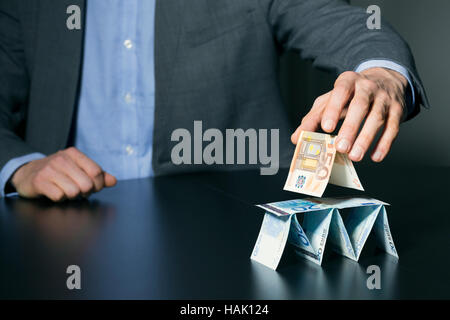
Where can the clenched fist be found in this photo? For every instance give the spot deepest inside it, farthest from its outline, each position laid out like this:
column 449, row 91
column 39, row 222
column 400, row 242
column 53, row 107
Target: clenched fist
column 369, row 101
column 64, row 175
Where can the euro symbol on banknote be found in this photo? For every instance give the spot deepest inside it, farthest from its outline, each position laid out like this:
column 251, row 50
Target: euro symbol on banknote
column 316, row 162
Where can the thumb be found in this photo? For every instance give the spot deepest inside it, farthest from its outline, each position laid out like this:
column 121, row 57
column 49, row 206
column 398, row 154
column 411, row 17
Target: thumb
column 309, row 123
column 110, row 180
column 312, row 120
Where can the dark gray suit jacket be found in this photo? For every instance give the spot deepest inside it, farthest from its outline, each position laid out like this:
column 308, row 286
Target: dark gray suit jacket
column 215, row 61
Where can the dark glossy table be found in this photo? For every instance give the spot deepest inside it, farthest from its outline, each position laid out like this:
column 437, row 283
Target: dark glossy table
column 191, row 236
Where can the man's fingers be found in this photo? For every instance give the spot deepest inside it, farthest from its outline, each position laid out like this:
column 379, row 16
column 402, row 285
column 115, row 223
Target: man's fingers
column 51, row 191
column 374, row 122
column 357, row 111
column 92, row 169
column 66, row 174
column 99, row 182
column 66, row 165
column 89, row 166
column 66, row 184
column 311, row 121
column 389, row 134
column 110, row 181
column 339, row 98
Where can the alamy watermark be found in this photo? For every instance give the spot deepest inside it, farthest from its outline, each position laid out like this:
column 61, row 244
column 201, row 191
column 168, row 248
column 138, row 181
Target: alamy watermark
column 374, row 20
column 374, row 280
column 74, row 279
column 220, row 149
column 73, row 21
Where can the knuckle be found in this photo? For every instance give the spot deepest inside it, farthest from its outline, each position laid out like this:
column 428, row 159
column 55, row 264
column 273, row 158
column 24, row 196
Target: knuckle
column 310, row 117
column 319, row 100
column 383, row 105
column 347, row 75
column 378, row 113
column 341, row 87
column 341, row 84
column 394, row 128
column 61, row 154
column 379, row 117
column 397, row 110
column 45, row 172
column 367, row 85
column 58, row 159
column 56, row 195
column 350, row 128
column 94, row 171
column 341, row 92
column 70, row 150
column 37, row 180
column 384, row 97
column 362, row 104
column 73, row 192
column 87, row 186
column 363, row 141
column 333, row 110
column 306, row 119
column 383, row 148
column 316, row 118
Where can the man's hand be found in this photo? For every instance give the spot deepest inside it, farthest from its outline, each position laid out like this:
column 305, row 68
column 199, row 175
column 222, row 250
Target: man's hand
column 376, row 95
column 64, row 175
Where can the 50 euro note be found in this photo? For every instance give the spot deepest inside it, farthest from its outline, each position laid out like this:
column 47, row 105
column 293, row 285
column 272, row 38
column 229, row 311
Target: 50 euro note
column 316, row 162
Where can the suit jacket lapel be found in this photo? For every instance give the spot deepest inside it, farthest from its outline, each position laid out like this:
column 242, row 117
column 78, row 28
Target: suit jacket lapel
column 55, row 80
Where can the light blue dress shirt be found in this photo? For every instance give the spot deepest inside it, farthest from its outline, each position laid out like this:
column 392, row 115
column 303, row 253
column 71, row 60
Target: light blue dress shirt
column 114, row 124
column 117, row 98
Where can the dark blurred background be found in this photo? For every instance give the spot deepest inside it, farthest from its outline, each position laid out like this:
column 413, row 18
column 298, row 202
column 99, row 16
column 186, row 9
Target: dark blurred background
column 425, row 25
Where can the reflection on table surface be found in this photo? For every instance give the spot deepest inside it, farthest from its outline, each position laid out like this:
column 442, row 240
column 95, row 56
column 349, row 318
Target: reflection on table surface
column 191, row 236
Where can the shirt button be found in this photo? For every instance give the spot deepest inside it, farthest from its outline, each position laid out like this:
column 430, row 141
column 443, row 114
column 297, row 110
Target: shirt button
column 129, row 150
column 128, row 98
column 128, row 44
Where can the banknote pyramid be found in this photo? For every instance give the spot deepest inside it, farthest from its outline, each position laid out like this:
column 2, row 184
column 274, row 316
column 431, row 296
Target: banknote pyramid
column 323, row 222
column 344, row 222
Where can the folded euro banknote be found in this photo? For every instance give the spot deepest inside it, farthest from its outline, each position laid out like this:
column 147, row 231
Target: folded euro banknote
column 308, row 224
column 316, row 162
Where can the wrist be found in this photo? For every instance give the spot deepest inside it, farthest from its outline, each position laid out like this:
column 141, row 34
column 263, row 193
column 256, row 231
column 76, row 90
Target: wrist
column 380, row 72
column 17, row 176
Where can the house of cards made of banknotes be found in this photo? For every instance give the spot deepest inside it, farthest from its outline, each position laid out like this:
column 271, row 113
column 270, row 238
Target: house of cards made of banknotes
column 345, row 222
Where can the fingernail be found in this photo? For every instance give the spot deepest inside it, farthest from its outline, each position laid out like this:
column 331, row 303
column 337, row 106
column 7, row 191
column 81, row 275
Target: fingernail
column 343, row 145
column 356, row 153
column 328, row 125
column 377, row 156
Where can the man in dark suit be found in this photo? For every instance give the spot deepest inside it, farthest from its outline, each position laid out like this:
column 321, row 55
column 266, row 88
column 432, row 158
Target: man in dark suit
column 84, row 103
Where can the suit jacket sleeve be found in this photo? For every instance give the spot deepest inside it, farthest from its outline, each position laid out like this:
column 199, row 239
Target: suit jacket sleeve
column 335, row 36
column 14, row 85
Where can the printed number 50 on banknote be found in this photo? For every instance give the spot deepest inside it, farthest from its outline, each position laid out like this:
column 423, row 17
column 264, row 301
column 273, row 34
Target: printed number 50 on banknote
column 316, row 162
